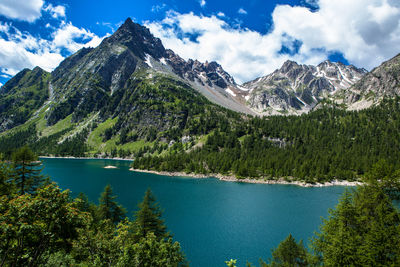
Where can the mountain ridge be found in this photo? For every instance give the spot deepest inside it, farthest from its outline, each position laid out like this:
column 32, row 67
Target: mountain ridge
column 90, row 79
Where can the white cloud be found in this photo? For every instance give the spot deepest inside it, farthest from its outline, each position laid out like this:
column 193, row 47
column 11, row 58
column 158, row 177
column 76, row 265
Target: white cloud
column 366, row 32
column 55, row 11
column 66, row 35
column 27, row 10
column 221, row 14
column 242, row 11
column 1, row 84
column 243, row 53
column 22, row 50
column 202, row 3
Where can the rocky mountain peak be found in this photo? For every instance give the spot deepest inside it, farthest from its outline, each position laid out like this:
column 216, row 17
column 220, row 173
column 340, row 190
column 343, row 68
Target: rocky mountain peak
column 288, row 66
column 296, row 88
column 138, row 39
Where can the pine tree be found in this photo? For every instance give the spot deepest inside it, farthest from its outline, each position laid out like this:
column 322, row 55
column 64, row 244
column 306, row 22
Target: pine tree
column 109, row 208
column 289, row 253
column 148, row 218
column 27, row 171
column 363, row 230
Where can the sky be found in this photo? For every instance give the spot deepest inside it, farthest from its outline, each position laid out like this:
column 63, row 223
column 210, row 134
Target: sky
column 248, row 38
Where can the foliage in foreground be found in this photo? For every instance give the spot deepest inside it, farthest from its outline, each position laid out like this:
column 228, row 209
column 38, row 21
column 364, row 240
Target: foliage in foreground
column 42, row 225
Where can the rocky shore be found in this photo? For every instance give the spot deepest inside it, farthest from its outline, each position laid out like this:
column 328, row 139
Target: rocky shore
column 230, row 178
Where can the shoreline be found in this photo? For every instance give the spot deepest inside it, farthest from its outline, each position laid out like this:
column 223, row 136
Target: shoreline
column 225, row 178
column 71, row 157
column 230, row 178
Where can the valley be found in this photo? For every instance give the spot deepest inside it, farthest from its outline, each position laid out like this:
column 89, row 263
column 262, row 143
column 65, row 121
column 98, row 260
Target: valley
column 132, row 98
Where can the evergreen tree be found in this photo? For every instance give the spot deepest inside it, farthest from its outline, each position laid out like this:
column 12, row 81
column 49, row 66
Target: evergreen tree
column 363, row 230
column 109, row 208
column 289, row 253
column 148, row 218
column 27, row 171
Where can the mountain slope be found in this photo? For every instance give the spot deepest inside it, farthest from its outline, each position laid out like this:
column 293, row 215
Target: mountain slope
column 383, row 81
column 129, row 93
column 85, row 82
column 21, row 96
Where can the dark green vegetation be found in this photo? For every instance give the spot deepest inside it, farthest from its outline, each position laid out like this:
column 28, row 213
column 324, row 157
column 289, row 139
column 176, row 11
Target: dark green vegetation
column 363, row 229
column 173, row 128
column 163, row 110
column 22, row 96
column 326, row 144
column 41, row 225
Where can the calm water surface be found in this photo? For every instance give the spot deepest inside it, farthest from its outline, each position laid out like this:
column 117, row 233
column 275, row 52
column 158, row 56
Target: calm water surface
column 213, row 220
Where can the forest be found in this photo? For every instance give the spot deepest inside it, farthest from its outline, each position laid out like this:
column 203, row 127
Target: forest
column 328, row 143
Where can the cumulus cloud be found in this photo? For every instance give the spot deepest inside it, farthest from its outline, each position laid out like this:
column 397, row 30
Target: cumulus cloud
column 366, row 32
column 245, row 54
column 202, row 3
column 22, row 50
column 21, row 9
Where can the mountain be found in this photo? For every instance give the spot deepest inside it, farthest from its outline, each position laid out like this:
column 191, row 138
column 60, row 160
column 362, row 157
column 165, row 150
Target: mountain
column 84, row 82
column 131, row 94
column 296, row 89
column 127, row 93
column 381, row 82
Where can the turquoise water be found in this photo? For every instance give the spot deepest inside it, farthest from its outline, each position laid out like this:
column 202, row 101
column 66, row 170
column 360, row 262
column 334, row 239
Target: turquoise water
column 213, row 220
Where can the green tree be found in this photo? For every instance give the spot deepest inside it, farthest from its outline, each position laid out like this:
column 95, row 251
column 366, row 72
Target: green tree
column 383, row 175
column 148, row 218
column 151, row 251
column 363, row 230
column 109, row 208
column 27, row 171
column 31, row 225
column 289, row 253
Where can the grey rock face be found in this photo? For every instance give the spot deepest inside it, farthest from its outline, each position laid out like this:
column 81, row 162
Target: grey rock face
column 383, row 81
column 295, row 89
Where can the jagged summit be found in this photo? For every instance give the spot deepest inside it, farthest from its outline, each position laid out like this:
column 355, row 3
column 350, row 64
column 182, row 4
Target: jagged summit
column 138, row 39
column 297, row 88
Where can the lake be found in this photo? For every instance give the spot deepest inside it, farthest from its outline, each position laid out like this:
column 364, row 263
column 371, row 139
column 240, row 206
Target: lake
column 213, row 220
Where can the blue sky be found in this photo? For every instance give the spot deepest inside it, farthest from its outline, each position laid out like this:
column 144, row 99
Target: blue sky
column 248, row 38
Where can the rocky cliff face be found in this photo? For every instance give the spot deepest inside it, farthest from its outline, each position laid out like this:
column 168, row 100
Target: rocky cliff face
column 211, row 80
column 383, row 81
column 295, row 89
